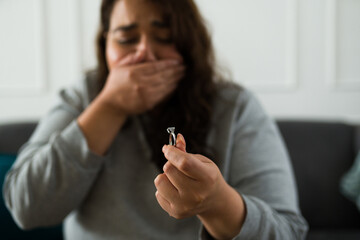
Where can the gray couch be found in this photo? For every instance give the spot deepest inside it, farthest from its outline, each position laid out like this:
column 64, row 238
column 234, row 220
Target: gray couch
column 321, row 153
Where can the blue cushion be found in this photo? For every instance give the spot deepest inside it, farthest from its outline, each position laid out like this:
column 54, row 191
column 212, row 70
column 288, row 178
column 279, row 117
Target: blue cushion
column 350, row 182
column 9, row 230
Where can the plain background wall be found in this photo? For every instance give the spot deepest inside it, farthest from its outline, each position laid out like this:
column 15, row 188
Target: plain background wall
column 300, row 57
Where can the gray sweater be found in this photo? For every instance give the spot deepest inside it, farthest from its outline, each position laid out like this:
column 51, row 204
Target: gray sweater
column 57, row 178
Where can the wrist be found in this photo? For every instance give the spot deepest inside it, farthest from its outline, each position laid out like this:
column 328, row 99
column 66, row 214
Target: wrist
column 109, row 106
column 224, row 217
column 216, row 204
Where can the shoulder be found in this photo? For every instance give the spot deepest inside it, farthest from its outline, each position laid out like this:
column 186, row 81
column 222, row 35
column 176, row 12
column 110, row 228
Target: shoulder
column 92, row 84
column 82, row 92
column 238, row 100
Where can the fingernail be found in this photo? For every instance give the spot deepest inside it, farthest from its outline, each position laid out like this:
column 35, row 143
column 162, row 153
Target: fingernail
column 180, row 137
column 155, row 180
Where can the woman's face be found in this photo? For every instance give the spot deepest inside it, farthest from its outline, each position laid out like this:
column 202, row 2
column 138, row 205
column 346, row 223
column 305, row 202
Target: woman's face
column 138, row 34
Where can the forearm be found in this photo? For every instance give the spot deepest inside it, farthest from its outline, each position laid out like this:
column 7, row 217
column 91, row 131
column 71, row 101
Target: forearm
column 226, row 215
column 263, row 222
column 48, row 181
column 100, row 124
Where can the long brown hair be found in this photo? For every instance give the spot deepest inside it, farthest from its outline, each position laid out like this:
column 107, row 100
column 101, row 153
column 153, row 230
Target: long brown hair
column 190, row 107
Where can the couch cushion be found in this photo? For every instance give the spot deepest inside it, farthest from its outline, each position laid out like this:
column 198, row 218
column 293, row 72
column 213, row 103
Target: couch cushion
column 14, row 135
column 321, row 153
column 340, row 234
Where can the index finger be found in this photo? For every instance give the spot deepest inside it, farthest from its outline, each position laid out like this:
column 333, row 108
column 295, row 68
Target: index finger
column 154, row 67
column 182, row 161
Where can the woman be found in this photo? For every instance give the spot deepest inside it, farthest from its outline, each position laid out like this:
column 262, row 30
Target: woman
column 97, row 160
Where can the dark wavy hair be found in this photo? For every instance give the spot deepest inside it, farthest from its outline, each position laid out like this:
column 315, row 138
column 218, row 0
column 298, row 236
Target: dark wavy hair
column 190, row 107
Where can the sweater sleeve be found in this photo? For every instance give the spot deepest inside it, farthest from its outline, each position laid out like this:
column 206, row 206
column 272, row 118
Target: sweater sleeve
column 55, row 169
column 256, row 164
column 260, row 170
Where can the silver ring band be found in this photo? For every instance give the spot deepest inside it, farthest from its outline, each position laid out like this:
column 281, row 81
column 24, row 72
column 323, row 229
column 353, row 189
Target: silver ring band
column 172, row 136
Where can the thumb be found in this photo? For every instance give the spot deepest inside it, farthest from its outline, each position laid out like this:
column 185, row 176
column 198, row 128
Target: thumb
column 180, row 142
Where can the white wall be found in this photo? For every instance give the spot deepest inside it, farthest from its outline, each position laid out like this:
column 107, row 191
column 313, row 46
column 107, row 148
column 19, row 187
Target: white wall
column 300, row 57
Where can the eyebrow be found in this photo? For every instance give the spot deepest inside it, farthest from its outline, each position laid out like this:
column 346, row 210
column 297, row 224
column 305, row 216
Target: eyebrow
column 132, row 26
column 126, row 28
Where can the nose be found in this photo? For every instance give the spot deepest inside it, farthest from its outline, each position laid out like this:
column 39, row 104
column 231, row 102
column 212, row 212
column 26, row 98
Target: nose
column 145, row 51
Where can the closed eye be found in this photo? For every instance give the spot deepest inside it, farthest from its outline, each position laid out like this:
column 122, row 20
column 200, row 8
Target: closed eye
column 127, row 41
column 164, row 40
